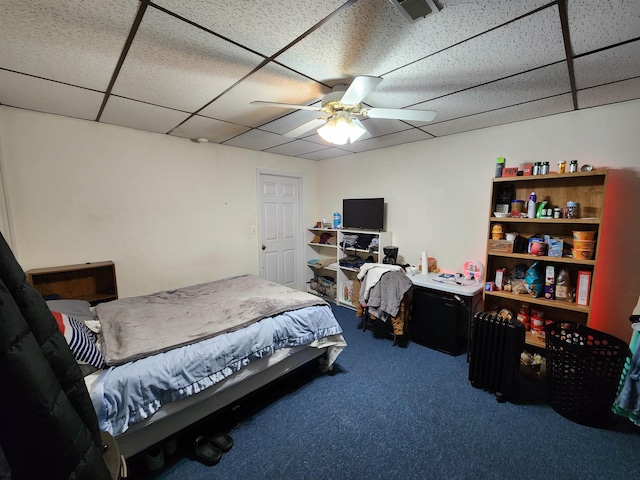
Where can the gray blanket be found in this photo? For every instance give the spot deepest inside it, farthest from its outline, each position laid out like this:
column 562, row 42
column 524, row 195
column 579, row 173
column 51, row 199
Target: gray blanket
column 137, row 327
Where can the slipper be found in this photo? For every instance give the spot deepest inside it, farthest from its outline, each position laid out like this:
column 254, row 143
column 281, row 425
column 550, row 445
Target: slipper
column 221, row 440
column 206, row 452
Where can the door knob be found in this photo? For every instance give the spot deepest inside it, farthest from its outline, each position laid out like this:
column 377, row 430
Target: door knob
column 264, row 247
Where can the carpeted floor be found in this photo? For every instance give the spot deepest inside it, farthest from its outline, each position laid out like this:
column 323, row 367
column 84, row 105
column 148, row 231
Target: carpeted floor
column 388, row 412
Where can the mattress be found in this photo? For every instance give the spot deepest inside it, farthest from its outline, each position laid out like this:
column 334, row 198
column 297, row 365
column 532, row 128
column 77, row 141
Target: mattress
column 127, row 394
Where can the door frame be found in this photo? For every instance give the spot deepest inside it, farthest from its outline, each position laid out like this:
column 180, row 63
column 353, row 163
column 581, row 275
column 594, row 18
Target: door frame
column 300, row 281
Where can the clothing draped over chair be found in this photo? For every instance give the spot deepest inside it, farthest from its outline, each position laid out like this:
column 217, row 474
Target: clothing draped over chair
column 384, row 294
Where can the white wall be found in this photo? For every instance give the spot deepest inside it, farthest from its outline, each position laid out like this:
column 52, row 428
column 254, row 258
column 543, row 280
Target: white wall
column 81, row 191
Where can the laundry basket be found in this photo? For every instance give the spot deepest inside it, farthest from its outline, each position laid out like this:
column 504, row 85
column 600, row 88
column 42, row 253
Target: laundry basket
column 584, row 370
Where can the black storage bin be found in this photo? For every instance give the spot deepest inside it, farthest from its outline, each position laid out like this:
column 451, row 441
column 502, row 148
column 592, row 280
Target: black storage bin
column 584, row 370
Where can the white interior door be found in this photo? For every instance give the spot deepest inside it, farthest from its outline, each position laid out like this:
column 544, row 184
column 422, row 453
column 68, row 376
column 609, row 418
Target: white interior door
column 279, row 207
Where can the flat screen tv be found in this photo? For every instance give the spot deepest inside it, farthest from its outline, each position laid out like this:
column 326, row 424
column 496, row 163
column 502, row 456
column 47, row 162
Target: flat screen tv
column 364, row 213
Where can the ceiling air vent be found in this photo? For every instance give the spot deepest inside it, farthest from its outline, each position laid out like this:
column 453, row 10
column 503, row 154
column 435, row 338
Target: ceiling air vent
column 414, row 10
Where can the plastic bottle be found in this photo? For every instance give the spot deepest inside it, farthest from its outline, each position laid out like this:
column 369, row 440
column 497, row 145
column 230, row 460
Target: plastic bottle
column 531, row 206
column 337, row 220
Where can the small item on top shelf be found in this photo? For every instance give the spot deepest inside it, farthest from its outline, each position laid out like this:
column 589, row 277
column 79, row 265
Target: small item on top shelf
column 573, row 166
column 540, row 209
column 545, row 168
column 531, row 206
column 562, row 166
column 572, row 209
column 499, row 166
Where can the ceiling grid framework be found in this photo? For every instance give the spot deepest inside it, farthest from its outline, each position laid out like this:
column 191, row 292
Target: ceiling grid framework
column 191, row 68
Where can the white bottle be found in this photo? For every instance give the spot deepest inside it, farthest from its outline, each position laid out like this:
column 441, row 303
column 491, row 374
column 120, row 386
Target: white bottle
column 531, row 207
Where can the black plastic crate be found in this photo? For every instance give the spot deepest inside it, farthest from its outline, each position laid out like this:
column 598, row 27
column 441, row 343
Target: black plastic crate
column 584, row 370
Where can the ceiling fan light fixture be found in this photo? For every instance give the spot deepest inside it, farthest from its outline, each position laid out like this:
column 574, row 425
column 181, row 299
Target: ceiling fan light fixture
column 341, row 129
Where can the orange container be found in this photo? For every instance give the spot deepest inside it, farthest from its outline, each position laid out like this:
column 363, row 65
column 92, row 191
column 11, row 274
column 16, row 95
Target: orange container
column 584, row 244
column 582, row 254
column 583, row 235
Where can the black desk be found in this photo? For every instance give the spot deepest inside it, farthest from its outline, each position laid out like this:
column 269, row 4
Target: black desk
column 441, row 313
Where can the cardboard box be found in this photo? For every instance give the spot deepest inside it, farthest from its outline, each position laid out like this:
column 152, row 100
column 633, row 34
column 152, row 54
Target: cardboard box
column 500, row 277
column 555, row 246
column 527, row 169
column 510, row 172
column 583, row 288
column 500, row 246
column 549, row 282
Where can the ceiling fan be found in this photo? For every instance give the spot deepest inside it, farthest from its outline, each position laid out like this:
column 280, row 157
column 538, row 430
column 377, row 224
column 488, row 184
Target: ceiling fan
column 342, row 106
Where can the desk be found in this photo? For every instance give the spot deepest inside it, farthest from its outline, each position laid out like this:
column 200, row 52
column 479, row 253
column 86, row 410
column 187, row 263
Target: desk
column 439, row 320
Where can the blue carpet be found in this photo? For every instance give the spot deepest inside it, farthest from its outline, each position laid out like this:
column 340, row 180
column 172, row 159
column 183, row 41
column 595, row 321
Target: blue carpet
column 389, row 412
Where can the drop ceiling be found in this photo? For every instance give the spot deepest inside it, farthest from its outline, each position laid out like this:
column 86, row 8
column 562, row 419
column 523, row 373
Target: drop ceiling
column 190, row 68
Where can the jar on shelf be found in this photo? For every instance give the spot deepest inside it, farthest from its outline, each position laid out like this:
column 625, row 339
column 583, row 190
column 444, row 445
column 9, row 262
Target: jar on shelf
column 573, row 166
column 544, row 169
column 572, row 210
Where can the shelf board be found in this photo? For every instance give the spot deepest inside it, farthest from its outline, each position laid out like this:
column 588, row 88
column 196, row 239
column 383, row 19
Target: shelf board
column 551, row 176
column 579, row 221
column 359, row 250
column 346, row 304
column 559, row 304
column 526, row 256
column 331, row 267
column 311, row 244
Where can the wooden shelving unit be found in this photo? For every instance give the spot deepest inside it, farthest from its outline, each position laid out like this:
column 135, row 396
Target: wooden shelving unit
column 586, row 188
column 94, row 282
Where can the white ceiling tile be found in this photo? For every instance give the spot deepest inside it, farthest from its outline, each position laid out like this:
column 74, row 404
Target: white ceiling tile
column 72, row 41
column 257, row 140
column 262, row 22
column 610, row 93
column 398, row 138
column 324, row 154
column 527, row 111
column 291, row 120
column 46, row 96
column 372, row 38
column 478, row 63
column 529, row 43
column 271, row 83
column 608, row 65
column 176, row 65
column 296, row 148
column 133, row 114
column 595, row 24
column 533, row 85
column 379, row 126
column 214, row 131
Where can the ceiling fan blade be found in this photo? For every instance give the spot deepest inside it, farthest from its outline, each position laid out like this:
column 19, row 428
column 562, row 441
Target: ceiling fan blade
column 359, row 89
column 400, row 114
column 285, row 105
column 305, row 127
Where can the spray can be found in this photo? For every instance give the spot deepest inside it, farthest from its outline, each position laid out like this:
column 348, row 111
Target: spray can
column 337, row 220
column 531, row 206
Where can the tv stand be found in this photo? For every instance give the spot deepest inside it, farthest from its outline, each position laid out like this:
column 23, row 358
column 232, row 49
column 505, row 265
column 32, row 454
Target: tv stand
column 329, row 253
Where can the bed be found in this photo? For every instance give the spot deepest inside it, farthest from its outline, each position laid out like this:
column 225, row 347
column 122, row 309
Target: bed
column 172, row 358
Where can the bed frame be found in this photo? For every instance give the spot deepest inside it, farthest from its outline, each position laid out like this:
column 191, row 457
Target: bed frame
column 174, row 417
